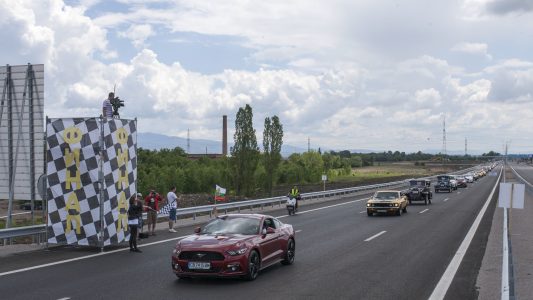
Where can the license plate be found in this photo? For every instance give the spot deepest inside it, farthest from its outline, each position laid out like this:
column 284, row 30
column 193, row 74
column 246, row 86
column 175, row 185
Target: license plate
column 199, row 265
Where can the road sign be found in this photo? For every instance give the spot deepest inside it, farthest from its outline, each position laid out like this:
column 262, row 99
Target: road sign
column 511, row 195
column 324, row 177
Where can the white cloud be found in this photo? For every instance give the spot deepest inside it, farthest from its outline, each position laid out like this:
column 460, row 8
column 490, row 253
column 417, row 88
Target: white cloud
column 473, row 48
column 138, row 34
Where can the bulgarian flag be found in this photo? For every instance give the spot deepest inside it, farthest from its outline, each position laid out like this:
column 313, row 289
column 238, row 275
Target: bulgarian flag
column 220, row 193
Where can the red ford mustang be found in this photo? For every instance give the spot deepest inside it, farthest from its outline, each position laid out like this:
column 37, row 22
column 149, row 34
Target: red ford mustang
column 237, row 245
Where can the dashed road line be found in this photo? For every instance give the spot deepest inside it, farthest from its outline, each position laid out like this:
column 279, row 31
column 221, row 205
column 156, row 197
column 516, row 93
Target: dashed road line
column 362, row 212
column 424, row 211
column 299, row 230
column 375, row 236
column 446, row 199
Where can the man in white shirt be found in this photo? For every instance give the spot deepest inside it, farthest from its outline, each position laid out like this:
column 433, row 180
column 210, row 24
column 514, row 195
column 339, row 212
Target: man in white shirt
column 172, row 199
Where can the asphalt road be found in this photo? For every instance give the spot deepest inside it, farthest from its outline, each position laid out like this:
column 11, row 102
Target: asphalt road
column 333, row 260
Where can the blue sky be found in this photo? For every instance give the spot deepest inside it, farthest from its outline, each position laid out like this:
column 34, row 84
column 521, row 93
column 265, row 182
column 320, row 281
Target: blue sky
column 347, row 74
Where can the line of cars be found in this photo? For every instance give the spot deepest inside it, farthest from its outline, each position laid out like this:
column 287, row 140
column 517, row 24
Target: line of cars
column 396, row 202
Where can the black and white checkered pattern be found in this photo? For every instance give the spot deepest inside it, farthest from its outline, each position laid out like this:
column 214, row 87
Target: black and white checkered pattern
column 113, row 232
column 165, row 210
column 88, row 193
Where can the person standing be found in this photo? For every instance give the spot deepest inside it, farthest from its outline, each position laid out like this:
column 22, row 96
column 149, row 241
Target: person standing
column 172, row 200
column 151, row 202
column 134, row 214
column 107, row 109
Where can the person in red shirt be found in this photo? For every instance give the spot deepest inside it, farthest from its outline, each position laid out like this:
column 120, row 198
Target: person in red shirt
column 152, row 205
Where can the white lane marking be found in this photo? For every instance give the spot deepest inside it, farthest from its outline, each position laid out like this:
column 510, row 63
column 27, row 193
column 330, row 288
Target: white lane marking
column 362, row 212
column 144, row 245
column 424, row 211
column 505, row 259
column 298, row 231
column 65, row 298
column 86, row 257
column 444, row 283
column 325, row 207
column 375, row 236
column 458, row 193
column 446, row 199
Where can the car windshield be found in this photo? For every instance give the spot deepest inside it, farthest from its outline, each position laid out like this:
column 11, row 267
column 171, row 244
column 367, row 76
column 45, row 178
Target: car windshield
column 232, row 225
column 386, row 195
column 417, row 183
column 443, row 178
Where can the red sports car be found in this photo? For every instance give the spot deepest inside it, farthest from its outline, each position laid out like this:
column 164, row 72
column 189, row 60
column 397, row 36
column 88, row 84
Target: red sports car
column 238, row 245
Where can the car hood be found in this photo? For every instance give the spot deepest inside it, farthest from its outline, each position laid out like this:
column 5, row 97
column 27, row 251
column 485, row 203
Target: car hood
column 213, row 241
column 384, row 201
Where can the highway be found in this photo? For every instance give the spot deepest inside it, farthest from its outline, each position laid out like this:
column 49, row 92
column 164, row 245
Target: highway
column 340, row 253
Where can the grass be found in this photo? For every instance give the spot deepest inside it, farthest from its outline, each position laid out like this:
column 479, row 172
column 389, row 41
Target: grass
column 383, row 171
column 21, row 222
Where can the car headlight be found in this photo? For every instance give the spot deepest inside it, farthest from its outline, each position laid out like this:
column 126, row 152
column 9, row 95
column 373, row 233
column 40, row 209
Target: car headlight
column 236, row 252
column 177, row 250
column 369, row 205
column 396, row 204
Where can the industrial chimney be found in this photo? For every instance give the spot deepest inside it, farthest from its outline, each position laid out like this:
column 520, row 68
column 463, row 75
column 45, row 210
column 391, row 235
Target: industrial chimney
column 224, row 135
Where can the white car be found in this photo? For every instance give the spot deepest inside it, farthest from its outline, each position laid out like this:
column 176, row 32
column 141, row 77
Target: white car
column 453, row 182
column 469, row 178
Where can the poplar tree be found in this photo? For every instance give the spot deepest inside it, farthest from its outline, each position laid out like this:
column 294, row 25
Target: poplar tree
column 272, row 142
column 245, row 152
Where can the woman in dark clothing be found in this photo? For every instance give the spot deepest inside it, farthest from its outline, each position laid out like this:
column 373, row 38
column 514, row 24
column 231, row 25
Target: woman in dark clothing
column 134, row 213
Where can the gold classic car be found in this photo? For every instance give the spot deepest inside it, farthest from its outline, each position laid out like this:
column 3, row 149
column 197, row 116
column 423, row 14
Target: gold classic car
column 387, row 202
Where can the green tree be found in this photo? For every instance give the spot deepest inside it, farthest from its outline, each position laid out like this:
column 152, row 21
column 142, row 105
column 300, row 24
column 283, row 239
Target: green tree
column 245, row 152
column 272, row 141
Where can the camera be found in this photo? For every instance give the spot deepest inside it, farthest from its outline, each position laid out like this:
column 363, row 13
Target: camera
column 116, row 103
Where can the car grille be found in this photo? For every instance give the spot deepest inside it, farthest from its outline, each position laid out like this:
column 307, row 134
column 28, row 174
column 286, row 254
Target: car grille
column 382, row 205
column 201, row 256
column 212, row 270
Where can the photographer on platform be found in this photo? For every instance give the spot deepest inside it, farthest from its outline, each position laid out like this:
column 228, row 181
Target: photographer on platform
column 107, row 109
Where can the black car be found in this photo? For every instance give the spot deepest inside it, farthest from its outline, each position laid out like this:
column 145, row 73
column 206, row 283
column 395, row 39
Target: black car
column 443, row 184
column 419, row 190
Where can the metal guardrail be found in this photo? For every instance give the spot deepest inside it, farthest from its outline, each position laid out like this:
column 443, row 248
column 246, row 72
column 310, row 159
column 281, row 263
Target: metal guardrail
column 208, row 209
column 22, row 231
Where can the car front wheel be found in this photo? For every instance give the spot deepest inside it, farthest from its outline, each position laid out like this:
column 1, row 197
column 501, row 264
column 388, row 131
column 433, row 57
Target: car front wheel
column 291, row 251
column 253, row 266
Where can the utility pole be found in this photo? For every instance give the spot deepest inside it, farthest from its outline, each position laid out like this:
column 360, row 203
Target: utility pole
column 444, row 136
column 466, row 147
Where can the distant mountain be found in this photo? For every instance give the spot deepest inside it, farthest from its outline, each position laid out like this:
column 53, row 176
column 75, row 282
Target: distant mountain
column 155, row 141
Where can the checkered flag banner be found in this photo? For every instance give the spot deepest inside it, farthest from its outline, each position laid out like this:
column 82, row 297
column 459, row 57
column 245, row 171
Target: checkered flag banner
column 120, row 177
column 73, row 160
column 72, row 185
column 165, row 210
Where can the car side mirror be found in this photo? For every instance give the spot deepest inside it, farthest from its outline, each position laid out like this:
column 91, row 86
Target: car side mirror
column 270, row 230
column 197, row 230
column 264, row 232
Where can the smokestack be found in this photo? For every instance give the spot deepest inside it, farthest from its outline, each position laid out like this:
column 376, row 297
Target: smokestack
column 225, row 135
